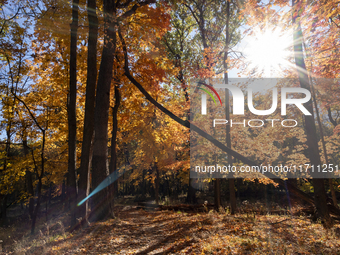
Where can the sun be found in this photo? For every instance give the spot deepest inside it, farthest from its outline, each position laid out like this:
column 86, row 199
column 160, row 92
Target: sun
column 267, row 52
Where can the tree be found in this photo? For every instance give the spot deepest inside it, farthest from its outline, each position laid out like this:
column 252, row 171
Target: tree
column 87, row 146
column 233, row 153
column 320, row 195
column 13, row 47
column 178, row 45
column 72, row 116
column 102, row 200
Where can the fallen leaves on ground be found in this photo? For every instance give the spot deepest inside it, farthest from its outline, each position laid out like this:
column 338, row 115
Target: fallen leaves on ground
column 135, row 231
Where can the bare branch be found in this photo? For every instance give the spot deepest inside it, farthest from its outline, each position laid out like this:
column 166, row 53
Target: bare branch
column 331, row 117
column 29, row 111
column 9, row 19
column 133, row 9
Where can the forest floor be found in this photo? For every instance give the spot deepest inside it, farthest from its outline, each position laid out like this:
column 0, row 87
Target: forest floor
column 137, row 231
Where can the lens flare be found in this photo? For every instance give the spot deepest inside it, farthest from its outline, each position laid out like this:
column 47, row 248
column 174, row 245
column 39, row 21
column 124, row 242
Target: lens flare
column 108, row 181
column 267, row 52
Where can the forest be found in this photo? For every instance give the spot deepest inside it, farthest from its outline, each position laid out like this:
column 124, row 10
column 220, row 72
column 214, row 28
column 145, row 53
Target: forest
column 169, row 127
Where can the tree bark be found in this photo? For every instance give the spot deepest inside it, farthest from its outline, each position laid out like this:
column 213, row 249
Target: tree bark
column 29, row 181
column 3, row 220
column 3, row 207
column 156, row 183
column 113, row 162
column 63, row 192
column 231, row 180
column 31, row 193
column 100, row 171
column 320, row 196
column 330, row 181
column 35, row 212
column 72, row 117
column 88, row 135
column 191, row 196
column 331, row 186
column 40, row 176
column 217, row 194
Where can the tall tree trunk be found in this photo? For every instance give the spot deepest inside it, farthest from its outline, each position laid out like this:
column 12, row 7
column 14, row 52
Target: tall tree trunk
column 31, row 193
column 50, row 194
column 331, row 186
column 40, row 176
column 100, row 171
column 88, row 135
column 3, row 205
column 113, row 189
column 191, row 196
column 330, row 181
column 217, row 194
column 36, row 210
column 63, row 191
column 29, row 181
column 231, row 180
column 142, row 185
column 72, row 117
column 156, row 183
column 320, row 196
